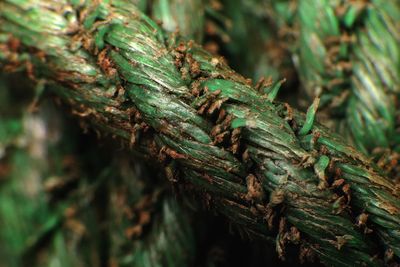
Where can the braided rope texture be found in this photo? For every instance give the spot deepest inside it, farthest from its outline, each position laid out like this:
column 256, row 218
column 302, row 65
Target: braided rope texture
column 171, row 100
column 350, row 56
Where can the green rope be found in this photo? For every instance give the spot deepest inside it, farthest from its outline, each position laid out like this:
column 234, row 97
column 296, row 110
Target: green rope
column 187, row 17
column 350, row 56
column 49, row 201
column 173, row 101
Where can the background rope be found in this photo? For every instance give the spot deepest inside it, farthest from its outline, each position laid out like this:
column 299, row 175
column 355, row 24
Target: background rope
column 173, row 101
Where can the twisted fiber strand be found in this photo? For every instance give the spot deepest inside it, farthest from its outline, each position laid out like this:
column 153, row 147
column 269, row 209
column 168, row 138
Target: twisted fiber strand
column 175, row 101
column 255, row 51
column 350, row 56
column 171, row 241
column 67, row 227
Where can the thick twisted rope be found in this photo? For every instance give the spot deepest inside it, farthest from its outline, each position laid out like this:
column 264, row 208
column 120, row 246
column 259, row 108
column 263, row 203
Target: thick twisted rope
column 172, row 100
column 350, row 56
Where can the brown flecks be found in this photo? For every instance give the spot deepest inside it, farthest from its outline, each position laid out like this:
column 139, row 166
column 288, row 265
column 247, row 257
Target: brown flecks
column 134, row 115
column 144, row 217
column 294, row 235
column 289, row 112
column 219, row 138
column 389, row 207
column 284, row 236
column 153, row 148
column 223, row 126
column 10, row 50
column 324, row 151
column 316, row 136
column 194, row 66
column 341, row 241
column 216, row 105
column 217, row 129
column 345, row 65
column 172, row 153
column 75, row 226
column 30, row 70
column 54, row 183
column 338, row 183
column 4, row 170
column 262, row 83
column 307, row 160
column 306, row 254
column 186, row 64
column 181, row 48
column 184, row 73
column 235, row 140
column 111, row 110
column 281, row 239
column 70, row 211
column 211, row 47
column 346, row 191
column 222, row 114
column 348, row 38
column 235, row 147
column 211, row 104
column 269, row 216
column 178, row 62
column 389, row 255
column 341, row 9
column 106, row 63
column 254, row 210
column 132, row 140
column 203, row 108
column 208, row 178
column 210, row 28
column 255, row 191
column 207, row 199
column 41, row 55
column 362, row 219
column 282, row 225
column 215, row 61
column 84, row 112
column 227, row 121
column 337, row 82
column 248, row 81
column 195, row 88
column 171, row 174
column 245, row 155
column 133, row 231
column 277, row 197
column 139, row 213
column 87, row 41
column 387, row 160
column 339, row 205
column 13, row 44
column 338, row 172
column 216, row 5
column 280, row 248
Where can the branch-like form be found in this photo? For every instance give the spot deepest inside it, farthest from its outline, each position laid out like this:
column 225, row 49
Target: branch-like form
column 210, row 127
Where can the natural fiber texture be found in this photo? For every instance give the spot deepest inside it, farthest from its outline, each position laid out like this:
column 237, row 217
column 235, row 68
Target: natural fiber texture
column 62, row 204
column 254, row 47
column 350, row 57
column 171, row 100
